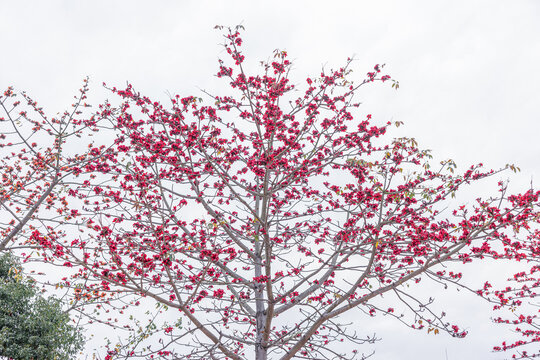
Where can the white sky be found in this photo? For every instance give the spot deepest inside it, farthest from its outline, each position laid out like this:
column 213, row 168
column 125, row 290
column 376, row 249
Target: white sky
column 468, row 71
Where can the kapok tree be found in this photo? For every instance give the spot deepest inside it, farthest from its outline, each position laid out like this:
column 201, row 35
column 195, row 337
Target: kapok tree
column 519, row 298
column 264, row 216
column 37, row 155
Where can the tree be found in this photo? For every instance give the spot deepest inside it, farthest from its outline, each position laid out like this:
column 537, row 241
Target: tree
column 261, row 219
column 518, row 298
column 32, row 327
column 38, row 155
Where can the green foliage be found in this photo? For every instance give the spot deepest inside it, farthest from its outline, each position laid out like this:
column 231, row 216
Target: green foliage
column 32, row 327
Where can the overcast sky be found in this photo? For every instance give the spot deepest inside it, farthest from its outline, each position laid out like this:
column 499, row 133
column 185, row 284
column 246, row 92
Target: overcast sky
column 468, row 73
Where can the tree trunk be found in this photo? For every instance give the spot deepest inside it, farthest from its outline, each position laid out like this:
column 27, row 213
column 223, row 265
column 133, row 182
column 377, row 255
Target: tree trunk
column 260, row 316
column 260, row 352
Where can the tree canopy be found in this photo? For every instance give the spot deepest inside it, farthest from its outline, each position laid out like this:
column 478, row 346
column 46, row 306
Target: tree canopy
column 31, row 326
